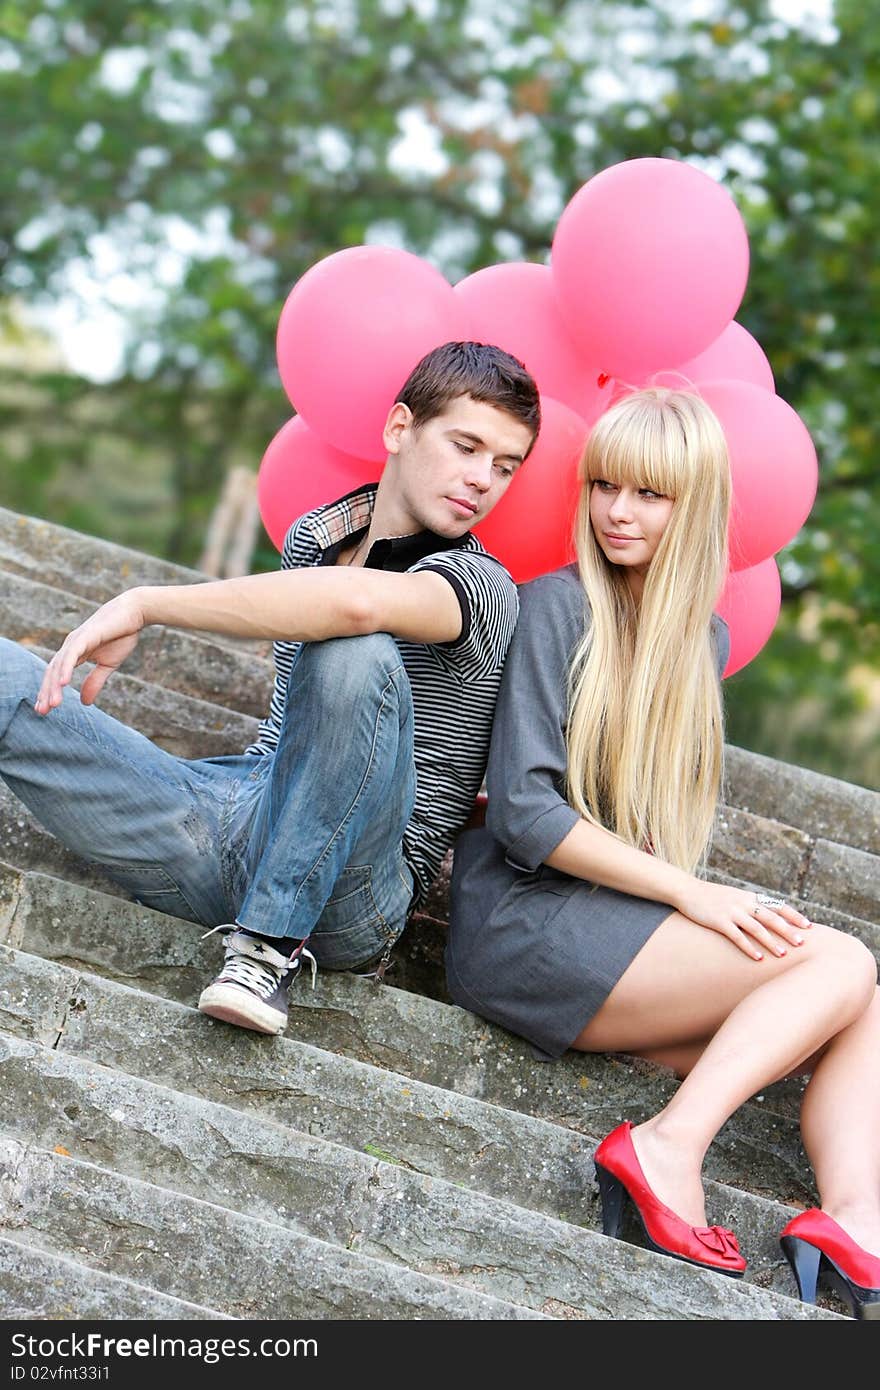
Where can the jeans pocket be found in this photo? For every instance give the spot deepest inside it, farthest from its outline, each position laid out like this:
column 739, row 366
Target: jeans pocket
column 151, row 886
column 353, row 927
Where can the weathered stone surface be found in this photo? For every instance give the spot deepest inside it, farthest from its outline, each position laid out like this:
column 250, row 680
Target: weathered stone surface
column 762, row 850
column 80, row 564
column 823, row 807
column 408, row 1033
column 94, row 569
column 316, row 1188
column 263, row 1170
column 36, row 1284
column 39, row 616
column 462, row 1131
column 848, row 878
column 207, row 1254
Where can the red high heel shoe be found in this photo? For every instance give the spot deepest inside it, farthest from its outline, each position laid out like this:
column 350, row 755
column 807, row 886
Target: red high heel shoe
column 814, row 1244
column 620, row 1175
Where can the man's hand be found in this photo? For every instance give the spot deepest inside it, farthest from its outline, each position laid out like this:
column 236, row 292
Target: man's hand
column 107, row 638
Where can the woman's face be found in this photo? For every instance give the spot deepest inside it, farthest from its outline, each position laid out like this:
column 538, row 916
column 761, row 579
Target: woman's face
column 628, row 523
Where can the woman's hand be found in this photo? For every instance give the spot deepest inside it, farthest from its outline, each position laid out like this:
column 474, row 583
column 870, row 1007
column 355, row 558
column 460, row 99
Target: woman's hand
column 737, row 913
column 107, row 638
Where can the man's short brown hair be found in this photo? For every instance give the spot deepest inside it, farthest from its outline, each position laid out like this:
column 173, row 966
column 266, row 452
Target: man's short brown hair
column 479, row 370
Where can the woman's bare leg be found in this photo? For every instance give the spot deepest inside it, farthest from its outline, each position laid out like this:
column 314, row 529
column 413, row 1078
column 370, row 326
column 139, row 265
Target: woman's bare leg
column 764, row 1019
column 840, row 1126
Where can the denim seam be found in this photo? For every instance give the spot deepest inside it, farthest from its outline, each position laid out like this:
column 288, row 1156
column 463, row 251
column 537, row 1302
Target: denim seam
column 225, row 856
column 390, row 683
column 119, row 756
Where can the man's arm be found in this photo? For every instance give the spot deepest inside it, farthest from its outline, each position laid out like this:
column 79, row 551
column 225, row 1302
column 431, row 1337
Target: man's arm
column 304, row 605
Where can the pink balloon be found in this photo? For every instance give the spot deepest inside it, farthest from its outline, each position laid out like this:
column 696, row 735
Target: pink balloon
column 734, row 355
column 773, row 465
column 351, row 331
column 514, row 306
column 749, row 604
column 300, row 471
column 529, row 530
column 649, row 260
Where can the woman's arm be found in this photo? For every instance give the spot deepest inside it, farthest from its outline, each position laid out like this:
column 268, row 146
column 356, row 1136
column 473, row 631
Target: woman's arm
column 591, row 852
column 527, row 810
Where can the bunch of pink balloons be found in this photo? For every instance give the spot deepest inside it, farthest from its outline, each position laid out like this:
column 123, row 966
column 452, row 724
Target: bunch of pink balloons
column 648, row 267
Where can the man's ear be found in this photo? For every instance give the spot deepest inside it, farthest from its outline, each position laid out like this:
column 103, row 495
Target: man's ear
column 400, row 419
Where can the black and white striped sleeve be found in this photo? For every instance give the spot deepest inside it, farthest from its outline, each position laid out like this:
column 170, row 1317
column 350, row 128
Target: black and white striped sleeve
column 489, row 606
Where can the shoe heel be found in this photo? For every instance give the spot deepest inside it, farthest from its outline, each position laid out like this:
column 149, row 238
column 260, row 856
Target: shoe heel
column 804, row 1260
column 612, row 1194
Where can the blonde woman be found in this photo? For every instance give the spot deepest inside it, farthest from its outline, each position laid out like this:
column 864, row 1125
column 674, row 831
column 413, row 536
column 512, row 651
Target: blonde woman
column 579, row 915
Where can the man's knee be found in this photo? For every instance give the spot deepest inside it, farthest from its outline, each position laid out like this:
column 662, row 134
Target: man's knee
column 347, row 667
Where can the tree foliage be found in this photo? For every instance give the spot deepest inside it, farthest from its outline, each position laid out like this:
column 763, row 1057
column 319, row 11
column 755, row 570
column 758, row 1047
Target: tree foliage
column 213, row 153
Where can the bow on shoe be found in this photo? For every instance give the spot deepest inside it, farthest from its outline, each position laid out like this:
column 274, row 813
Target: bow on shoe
column 717, row 1238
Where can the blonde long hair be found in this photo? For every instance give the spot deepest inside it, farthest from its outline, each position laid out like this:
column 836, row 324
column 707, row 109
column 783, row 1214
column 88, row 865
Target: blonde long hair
column 645, row 730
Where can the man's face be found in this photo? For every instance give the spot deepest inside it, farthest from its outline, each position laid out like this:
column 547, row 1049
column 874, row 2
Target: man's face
column 452, row 470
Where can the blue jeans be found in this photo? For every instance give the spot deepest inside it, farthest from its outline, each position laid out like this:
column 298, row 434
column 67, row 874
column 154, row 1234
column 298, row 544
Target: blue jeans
column 302, row 842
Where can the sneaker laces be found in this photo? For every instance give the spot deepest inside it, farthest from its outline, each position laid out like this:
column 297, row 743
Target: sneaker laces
column 257, row 966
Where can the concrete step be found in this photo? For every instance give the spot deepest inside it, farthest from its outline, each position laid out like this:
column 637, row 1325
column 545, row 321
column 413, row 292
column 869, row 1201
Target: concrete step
column 825, row 808
column 38, row 615
column 409, row 1033
column 206, row 1254
column 361, row 1203
column 94, row 569
column 40, row 1284
column 428, row 1130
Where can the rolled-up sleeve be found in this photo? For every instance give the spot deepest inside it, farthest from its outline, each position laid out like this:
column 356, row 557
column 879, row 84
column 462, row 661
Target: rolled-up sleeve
column 721, row 638
column 525, row 779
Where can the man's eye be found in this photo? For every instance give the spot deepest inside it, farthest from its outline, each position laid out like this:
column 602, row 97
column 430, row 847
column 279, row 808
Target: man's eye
column 505, row 470
column 464, row 448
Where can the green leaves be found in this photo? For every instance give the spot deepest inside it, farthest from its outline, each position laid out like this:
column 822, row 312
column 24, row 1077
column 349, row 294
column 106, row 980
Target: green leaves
column 279, row 132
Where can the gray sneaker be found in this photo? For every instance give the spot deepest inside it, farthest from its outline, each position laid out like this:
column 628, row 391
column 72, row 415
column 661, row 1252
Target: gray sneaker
column 251, row 989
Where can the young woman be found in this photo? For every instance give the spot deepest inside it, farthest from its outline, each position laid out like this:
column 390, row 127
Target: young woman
column 579, row 917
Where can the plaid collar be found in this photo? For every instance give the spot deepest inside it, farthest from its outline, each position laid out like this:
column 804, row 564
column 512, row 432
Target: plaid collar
column 336, row 525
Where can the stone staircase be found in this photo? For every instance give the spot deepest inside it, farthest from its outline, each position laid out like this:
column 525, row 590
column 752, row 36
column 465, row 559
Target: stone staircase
column 394, row 1156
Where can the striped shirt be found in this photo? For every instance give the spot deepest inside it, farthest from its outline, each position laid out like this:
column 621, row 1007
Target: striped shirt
column 454, row 684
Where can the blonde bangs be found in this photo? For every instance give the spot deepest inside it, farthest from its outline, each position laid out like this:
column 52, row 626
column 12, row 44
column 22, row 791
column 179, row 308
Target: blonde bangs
column 656, row 439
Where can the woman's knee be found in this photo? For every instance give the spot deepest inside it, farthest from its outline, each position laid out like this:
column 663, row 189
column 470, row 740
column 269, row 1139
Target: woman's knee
column 848, row 966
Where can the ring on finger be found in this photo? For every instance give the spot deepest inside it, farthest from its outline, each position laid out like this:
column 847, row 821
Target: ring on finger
column 767, row 900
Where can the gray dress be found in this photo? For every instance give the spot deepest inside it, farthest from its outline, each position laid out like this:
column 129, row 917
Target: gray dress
column 529, row 947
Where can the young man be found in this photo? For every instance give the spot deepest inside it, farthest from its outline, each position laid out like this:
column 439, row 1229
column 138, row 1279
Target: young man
column 391, row 624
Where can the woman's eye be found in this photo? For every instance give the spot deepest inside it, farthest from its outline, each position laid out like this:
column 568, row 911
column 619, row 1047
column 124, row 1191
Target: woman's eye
column 647, row 492
column 603, row 485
